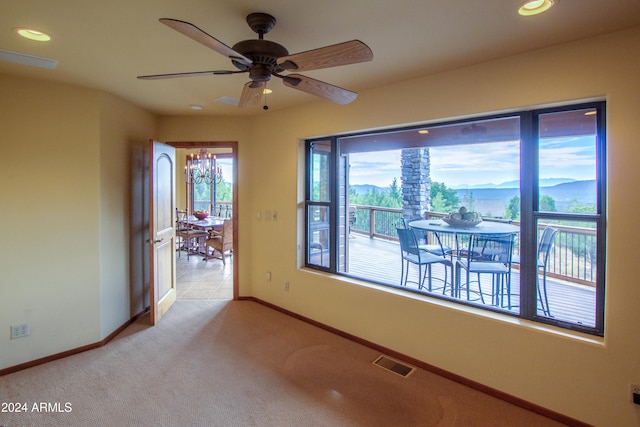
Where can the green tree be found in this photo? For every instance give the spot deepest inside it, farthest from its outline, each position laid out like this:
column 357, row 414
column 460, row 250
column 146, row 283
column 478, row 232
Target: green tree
column 512, row 211
column 353, row 194
column 443, row 199
column 578, row 207
column 375, row 197
column 224, row 192
column 547, row 203
column 395, row 192
column 439, row 204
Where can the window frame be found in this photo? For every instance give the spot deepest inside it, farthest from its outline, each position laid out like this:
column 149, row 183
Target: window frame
column 529, row 200
column 330, row 204
column 190, row 191
column 529, row 301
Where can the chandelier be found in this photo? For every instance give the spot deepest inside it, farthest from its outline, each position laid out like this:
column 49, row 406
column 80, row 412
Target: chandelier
column 202, row 168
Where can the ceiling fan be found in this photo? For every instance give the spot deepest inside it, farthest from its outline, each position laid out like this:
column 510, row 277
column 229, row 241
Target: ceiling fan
column 263, row 59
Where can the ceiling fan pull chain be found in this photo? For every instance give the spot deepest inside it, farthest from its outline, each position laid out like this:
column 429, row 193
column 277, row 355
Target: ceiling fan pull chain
column 264, row 92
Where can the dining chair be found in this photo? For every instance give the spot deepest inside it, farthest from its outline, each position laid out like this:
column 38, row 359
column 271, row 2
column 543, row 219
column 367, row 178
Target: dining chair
column 544, row 249
column 436, row 248
column 187, row 238
column 181, row 225
column 412, row 254
column 496, row 261
column 220, row 241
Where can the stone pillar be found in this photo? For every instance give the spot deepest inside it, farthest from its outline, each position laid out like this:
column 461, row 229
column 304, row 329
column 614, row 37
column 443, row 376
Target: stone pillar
column 416, row 182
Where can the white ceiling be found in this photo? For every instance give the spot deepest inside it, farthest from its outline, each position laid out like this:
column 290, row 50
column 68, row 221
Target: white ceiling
column 106, row 44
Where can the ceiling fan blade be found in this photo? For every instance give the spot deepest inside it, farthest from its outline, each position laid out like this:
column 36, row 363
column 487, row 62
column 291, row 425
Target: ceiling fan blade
column 192, row 74
column 351, row 52
column 318, row 88
column 251, row 94
column 202, row 37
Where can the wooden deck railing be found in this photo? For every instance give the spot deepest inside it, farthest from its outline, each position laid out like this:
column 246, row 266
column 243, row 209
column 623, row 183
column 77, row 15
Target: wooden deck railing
column 572, row 257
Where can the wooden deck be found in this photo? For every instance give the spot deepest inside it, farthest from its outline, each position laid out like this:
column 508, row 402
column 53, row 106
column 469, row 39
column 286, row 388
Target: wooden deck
column 380, row 261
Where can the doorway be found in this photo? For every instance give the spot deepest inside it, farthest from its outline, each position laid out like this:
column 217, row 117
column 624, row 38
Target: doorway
column 212, row 279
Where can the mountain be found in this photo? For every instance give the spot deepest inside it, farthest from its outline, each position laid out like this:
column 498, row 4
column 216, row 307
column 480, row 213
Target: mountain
column 546, row 182
column 582, row 191
column 366, row 188
column 564, row 194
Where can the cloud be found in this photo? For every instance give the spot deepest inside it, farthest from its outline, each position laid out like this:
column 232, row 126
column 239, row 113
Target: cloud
column 455, row 165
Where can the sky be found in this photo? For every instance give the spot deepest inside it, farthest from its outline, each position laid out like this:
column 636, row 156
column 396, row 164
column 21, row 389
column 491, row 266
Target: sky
column 495, row 163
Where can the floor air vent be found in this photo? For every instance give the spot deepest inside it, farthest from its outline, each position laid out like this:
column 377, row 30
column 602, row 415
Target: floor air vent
column 393, row 366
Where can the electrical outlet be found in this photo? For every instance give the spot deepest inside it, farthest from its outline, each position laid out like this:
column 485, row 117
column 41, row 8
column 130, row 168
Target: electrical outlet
column 635, row 393
column 268, row 277
column 286, row 286
column 19, row 331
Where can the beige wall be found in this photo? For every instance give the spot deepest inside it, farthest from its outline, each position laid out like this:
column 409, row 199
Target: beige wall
column 67, row 199
column 57, row 272
column 580, row 376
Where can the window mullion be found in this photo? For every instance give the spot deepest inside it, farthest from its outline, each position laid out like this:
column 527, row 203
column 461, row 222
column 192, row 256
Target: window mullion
column 334, row 202
column 528, row 203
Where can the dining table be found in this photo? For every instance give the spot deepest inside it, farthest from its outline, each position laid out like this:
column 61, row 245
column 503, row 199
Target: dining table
column 206, row 224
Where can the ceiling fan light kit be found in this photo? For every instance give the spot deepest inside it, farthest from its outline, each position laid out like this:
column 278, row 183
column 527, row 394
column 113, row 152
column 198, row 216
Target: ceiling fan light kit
column 262, row 59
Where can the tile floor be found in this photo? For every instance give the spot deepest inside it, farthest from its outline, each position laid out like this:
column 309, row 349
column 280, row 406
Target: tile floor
column 203, row 280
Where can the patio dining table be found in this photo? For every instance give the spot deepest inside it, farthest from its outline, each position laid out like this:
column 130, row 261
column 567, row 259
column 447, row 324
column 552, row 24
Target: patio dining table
column 485, row 228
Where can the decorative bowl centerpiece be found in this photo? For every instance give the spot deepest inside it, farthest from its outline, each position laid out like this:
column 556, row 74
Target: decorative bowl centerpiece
column 463, row 218
column 201, row 214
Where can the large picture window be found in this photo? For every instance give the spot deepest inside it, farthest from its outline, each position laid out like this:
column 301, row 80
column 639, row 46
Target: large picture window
column 505, row 212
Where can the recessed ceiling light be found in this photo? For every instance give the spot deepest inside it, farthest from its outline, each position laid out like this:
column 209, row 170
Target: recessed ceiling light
column 423, row 131
column 534, row 7
column 195, row 107
column 31, row 34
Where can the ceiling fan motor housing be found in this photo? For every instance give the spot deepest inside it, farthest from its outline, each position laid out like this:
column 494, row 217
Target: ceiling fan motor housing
column 263, row 53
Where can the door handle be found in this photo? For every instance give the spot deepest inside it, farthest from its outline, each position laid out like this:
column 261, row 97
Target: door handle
column 155, row 241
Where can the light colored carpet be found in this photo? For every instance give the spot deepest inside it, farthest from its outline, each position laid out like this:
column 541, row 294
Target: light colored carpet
column 238, row 363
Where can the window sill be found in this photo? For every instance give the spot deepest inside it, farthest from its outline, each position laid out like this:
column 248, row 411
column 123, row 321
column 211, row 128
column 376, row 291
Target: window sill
column 467, row 309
